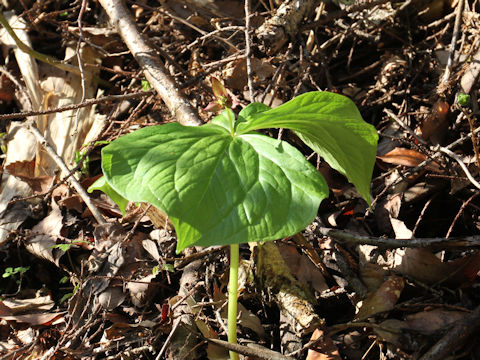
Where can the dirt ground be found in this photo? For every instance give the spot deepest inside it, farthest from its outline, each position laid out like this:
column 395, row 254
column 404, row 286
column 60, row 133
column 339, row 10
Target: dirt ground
column 396, row 280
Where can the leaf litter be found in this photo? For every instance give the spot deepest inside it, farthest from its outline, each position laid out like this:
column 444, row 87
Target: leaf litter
column 314, row 296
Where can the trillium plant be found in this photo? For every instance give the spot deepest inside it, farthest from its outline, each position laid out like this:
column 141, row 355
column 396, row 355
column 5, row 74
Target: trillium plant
column 225, row 183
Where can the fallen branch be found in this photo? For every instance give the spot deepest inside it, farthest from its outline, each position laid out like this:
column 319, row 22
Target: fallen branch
column 441, row 242
column 153, row 68
column 85, row 103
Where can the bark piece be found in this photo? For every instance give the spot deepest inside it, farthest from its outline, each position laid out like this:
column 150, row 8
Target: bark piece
column 293, row 299
column 275, row 32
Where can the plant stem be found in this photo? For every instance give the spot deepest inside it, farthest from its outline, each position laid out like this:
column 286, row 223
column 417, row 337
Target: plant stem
column 232, row 298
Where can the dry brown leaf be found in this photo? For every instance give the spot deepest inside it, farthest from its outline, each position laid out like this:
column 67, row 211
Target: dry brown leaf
column 302, row 267
column 47, row 231
column 141, row 291
column 384, row 299
column 112, row 297
column 325, row 349
column 407, row 157
column 427, row 322
column 424, row 266
column 25, row 171
column 236, row 78
column 17, row 306
column 5, row 310
column 35, row 319
column 392, row 330
column 435, row 125
column 372, row 276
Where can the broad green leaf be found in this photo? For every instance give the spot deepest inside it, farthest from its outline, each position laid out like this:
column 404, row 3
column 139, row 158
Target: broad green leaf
column 250, row 110
column 216, row 189
column 224, row 119
column 102, row 185
column 332, row 126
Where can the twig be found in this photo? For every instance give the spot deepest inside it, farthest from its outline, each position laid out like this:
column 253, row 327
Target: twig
column 248, row 50
column 76, row 106
column 155, row 71
column 441, row 242
column 404, row 126
column 61, row 164
column 462, row 165
column 79, row 59
column 456, row 31
column 169, row 338
column 460, row 211
column 474, row 138
column 212, row 33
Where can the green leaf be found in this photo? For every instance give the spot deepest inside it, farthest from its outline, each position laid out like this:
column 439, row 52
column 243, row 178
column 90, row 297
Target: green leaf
column 223, row 119
column 250, row 110
column 146, row 85
column 63, row 247
column 332, row 126
column 102, row 185
column 216, row 189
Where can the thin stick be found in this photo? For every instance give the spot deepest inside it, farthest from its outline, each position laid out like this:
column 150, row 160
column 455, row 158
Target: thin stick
column 248, row 50
column 456, row 31
column 76, row 106
column 79, row 59
column 440, row 242
column 404, row 126
column 462, row 165
column 232, row 298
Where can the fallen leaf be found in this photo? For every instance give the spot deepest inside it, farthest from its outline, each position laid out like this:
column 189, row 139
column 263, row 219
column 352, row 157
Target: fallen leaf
column 47, row 231
column 393, row 331
column 17, row 306
column 141, row 291
column 35, row 319
column 424, row 266
column 302, row 267
column 384, row 299
column 427, row 322
column 435, row 125
column 111, row 298
column 325, row 349
column 25, row 171
column 408, row 157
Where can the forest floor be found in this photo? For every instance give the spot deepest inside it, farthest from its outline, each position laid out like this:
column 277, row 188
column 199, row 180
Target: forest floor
column 396, row 280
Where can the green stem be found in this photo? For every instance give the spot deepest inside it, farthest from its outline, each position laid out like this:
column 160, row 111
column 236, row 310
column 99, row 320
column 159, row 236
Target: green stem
column 232, row 298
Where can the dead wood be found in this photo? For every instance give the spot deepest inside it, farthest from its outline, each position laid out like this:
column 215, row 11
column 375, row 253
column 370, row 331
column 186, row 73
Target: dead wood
column 150, row 63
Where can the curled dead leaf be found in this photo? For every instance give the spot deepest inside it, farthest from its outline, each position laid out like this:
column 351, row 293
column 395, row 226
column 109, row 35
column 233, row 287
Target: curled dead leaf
column 384, row 299
column 408, row 157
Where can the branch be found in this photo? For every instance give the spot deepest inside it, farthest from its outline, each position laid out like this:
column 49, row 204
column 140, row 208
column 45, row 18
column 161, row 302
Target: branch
column 345, row 236
column 153, row 68
column 86, row 103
